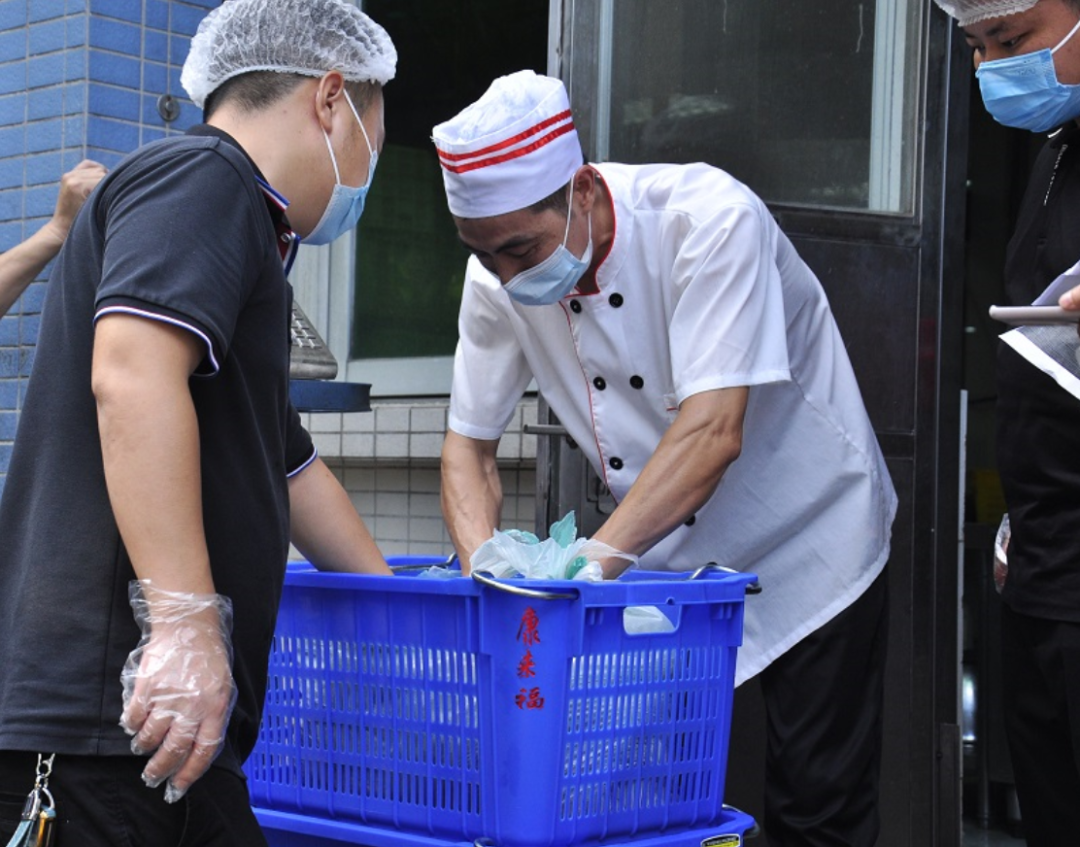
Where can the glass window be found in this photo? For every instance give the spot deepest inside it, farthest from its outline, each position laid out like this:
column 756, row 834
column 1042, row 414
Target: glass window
column 807, row 103
column 410, row 266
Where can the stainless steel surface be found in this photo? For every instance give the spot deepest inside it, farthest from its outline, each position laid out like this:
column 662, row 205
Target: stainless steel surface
column 550, row 430
column 487, row 579
column 309, row 357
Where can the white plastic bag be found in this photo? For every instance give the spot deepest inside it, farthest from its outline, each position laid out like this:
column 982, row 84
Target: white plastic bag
column 1001, row 554
column 561, row 556
column 640, row 619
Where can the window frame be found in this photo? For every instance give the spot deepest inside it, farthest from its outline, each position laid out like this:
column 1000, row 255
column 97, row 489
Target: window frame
column 325, row 285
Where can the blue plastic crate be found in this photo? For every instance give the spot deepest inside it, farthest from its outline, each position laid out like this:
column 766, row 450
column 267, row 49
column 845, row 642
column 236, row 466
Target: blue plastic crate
column 284, row 829
column 451, row 709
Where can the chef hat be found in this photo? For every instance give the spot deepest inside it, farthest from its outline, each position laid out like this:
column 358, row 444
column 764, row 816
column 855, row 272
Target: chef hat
column 308, row 37
column 513, row 147
column 972, row 11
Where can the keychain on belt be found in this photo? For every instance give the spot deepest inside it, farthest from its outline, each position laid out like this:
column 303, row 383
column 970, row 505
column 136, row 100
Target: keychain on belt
column 37, row 826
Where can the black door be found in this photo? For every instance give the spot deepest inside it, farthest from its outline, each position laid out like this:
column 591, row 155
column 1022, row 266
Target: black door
column 838, row 114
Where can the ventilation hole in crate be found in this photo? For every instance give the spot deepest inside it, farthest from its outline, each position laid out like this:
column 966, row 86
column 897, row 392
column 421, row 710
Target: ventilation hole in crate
column 635, row 712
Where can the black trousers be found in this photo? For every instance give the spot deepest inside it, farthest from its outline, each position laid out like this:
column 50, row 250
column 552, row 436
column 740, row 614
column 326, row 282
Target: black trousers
column 823, row 703
column 101, row 801
column 1041, row 674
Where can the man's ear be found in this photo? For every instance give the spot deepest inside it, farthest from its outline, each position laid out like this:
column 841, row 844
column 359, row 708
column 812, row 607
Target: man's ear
column 585, row 187
column 329, row 95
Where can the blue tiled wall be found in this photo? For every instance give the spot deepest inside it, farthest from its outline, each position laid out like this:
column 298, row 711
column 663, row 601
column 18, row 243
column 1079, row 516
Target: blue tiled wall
column 78, row 79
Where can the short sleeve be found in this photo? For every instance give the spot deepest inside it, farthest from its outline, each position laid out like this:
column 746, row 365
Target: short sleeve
column 180, row 232
column 490, row 369
column 299, row 449
column 728, row 328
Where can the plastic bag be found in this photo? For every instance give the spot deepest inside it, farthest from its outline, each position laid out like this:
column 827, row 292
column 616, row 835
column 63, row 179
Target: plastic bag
column 439, row 572
column 1001, row 551
column 561, row 556
column 639, row 619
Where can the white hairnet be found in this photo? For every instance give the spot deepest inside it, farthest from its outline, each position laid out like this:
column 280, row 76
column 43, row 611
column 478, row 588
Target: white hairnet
column 308, row 37
column 972, row 11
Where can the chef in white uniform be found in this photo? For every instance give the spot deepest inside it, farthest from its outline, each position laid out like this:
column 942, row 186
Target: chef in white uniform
column 692, row 355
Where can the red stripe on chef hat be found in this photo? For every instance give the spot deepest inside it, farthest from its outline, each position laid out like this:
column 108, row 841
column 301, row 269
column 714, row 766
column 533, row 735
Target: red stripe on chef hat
column 513, row 147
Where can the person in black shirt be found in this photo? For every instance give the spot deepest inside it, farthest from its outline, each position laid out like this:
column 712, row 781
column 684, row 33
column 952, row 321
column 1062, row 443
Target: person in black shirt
column 158, row 453
column 1027, row 59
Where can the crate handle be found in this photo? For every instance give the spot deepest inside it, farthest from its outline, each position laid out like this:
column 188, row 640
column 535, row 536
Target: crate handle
column 446, row 563
column 485, row 578
column 751, row 588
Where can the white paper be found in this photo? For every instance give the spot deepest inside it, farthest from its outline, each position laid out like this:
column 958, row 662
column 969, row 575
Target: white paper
column 1066, row 282
column 1054, row 350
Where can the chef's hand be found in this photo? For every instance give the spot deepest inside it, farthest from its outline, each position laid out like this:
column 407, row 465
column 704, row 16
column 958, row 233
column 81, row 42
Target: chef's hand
column 75, row 187
column 178, row 684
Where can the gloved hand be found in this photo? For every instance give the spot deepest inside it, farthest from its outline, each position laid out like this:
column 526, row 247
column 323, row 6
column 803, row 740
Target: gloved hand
column 178, row 684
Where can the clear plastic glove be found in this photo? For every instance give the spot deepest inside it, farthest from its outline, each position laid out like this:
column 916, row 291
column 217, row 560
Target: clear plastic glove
column 439, row 572
column 561, row 556
column 1001, row 553
column 178, row 684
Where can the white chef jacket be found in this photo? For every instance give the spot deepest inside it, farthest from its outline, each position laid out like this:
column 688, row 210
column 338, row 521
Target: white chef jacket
column 701, row 290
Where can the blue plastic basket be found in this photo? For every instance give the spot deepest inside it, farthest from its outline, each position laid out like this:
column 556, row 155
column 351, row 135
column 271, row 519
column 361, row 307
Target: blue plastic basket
column 284, row 829
column 456, row 710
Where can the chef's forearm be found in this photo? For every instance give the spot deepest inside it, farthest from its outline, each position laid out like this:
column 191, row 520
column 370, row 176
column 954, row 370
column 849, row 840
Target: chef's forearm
column 471, row 493
column 681, row 475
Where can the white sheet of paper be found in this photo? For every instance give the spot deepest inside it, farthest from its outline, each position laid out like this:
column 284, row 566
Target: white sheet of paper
column 1068, row 280
column 1054, row 350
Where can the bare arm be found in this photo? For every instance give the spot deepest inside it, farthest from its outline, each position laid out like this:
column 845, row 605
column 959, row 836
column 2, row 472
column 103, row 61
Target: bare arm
column 471, row 493
column 150, row 448
column 326, row 528
column 21, row 265
column 681, row 475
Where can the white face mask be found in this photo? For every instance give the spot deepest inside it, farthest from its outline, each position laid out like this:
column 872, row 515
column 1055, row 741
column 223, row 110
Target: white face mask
column 346, row 202
column 556, row 276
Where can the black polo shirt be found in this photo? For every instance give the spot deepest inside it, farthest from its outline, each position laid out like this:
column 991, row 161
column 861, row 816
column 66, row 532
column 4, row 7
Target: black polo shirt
column 1038, row 421
column 180, row 231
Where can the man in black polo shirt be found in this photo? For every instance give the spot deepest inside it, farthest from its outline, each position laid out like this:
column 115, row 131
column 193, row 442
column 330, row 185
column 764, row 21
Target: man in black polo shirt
column 158, row 448
column 1027, row 56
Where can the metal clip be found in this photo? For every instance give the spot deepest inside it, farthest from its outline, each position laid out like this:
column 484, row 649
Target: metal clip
column 38, row 827
column 44, row 832
column 33, row 805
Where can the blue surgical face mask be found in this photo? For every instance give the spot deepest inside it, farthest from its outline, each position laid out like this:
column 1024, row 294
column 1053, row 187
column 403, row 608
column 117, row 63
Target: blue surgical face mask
column 346, row 203
column 556, row 276
column 1024, row 91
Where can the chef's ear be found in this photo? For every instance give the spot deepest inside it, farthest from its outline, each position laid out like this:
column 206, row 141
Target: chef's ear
column 584, row 191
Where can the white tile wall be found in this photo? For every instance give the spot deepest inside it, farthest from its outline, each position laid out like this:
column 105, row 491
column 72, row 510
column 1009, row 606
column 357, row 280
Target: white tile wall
column 388, row 461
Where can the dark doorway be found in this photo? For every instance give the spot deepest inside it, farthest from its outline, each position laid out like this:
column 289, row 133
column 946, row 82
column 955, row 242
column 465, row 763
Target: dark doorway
column 999, row 162
column 410, row 267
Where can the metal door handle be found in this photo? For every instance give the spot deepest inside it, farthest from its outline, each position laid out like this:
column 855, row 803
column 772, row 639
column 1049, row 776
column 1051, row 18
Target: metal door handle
column 545, row 429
